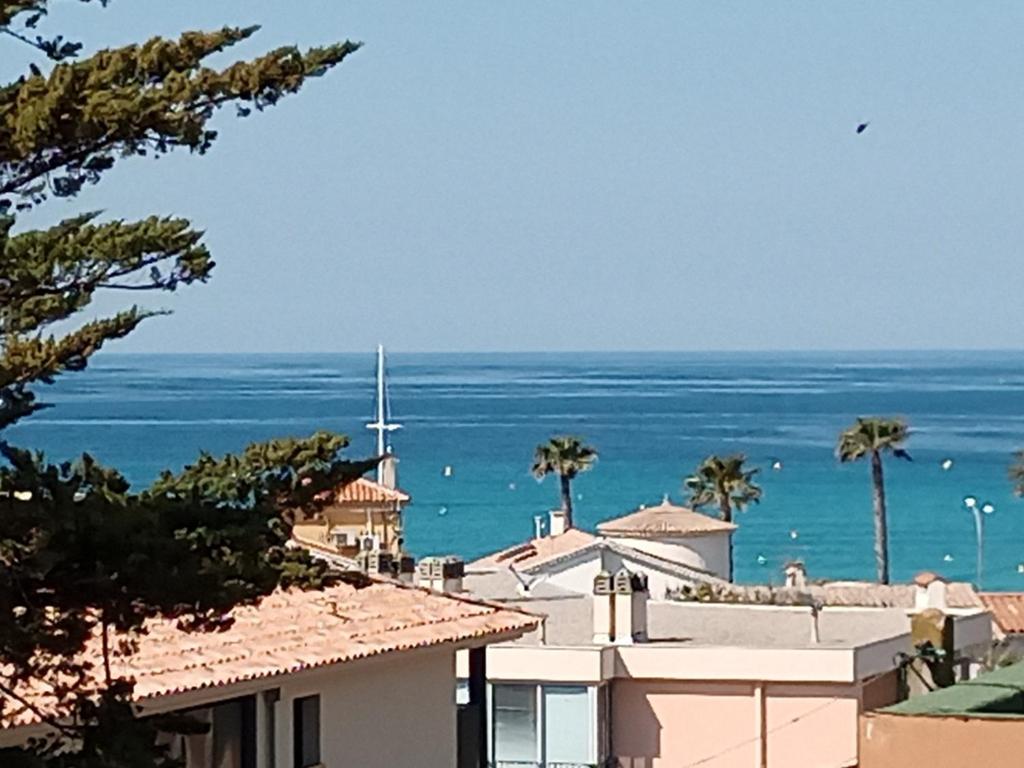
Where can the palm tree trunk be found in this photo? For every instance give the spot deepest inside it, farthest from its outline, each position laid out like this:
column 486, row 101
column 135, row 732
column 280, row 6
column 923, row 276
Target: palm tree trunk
column 566, row 499
column 725, row 509
column 881, row 524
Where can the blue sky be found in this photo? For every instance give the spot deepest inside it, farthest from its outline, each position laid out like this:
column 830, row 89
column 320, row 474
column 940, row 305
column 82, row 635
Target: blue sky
column 553, row 176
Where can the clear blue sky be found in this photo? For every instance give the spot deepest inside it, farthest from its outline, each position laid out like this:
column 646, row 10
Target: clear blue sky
column 537, row 175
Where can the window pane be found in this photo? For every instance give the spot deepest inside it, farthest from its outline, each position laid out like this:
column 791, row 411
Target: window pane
column 515, row 722
column 227, row 735
column 568, row 724
column 307, row 731
column 462, row 691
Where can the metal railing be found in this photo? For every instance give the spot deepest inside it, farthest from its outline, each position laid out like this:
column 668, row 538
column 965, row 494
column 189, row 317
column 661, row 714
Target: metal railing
column 546, row 764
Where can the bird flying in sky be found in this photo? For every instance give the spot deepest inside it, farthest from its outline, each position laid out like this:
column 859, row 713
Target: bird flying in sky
column 862, row 127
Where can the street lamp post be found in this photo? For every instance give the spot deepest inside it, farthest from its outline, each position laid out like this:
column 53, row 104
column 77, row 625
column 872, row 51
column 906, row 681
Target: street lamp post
column 979, row 510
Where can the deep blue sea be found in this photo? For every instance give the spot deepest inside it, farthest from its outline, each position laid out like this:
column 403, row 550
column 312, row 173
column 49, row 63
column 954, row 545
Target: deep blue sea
column 652, row 416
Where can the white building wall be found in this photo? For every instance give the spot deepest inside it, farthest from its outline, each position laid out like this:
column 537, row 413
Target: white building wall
column 577, row 576
column 398, row 710
column 709, row 552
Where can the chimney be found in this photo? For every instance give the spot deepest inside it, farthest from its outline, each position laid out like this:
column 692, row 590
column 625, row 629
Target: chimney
column 816, row 607
column 796, row 574
column 604, row 608
column 389, row 471
column 930, row 592
column 405, row 568
column 557, row 522
column 376, row 562
column 630, row 607
column 442, row 574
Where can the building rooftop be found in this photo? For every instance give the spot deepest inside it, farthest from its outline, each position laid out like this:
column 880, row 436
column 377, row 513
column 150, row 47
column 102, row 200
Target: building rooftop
column 1007, row 609
column 364, row 490
column 666, row 519
column 286, row 632
column 534, row 552
column 993, row 694
column 569, row 622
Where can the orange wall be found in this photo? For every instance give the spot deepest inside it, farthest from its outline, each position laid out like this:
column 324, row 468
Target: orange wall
column 667, row 724
column 905, row 741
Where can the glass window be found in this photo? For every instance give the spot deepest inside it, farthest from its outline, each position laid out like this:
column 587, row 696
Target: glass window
column 568, row 724
column 515, row 723
column 462, row 691
column 306, row 725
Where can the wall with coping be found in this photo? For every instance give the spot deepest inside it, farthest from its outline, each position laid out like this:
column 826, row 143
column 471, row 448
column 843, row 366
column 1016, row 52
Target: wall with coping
column 907, row 741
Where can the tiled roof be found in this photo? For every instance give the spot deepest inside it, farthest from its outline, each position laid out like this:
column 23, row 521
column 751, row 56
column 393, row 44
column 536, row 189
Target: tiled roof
column 287, row 632
column 537, row 551
column 1007, row 609
column 666, row 519
column 365, row 490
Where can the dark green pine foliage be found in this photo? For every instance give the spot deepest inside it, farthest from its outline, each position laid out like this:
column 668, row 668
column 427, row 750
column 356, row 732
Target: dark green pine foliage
column 81, row 551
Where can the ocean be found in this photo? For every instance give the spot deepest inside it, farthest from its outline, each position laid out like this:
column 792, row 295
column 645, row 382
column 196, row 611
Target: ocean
column 652, row 416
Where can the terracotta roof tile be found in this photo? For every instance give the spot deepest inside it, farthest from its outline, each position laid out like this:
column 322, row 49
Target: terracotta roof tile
column 286, row 632
column 365, row 490
column 1007, row 609
column 537, row 551
column 859, row 594
column 666, row 519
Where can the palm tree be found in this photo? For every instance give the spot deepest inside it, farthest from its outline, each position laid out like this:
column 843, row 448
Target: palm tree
column 1016, row 473
column 872, row 437
column 565, row 456
column 727, row 484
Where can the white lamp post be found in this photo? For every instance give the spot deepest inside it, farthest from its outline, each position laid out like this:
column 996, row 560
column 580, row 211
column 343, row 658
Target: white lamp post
column 979, row 510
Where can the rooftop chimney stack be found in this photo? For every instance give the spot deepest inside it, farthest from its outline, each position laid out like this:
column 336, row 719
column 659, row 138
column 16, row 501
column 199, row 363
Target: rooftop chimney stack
column 630, row 607
column 558, row 522
column 604, row 608
column 442, row 574
column 930, row 592
column 796, row 574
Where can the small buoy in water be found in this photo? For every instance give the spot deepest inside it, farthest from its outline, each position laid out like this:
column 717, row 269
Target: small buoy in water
column 947, row 464
column 948, row 558
column 511, row 486
column 442, row 511
column 777, row 465
column 447, row 471
column 761, row 559
column 579, row 497
column 794, row 534
column 1020, row 567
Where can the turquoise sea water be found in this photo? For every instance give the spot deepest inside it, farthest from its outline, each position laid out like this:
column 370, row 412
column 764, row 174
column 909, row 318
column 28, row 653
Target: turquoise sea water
column 653, row 417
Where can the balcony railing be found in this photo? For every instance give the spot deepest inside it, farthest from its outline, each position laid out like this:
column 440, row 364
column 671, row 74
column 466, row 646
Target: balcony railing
column 548, row 764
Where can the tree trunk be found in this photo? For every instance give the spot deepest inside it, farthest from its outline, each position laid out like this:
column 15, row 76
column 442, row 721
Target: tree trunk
column 881, row 524
column 566, row 499
column 725, row 510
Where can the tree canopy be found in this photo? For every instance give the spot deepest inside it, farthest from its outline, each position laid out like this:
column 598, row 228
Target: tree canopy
column 81, row 550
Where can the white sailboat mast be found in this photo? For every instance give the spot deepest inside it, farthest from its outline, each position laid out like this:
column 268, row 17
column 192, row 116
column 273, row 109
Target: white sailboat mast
column 381, row 425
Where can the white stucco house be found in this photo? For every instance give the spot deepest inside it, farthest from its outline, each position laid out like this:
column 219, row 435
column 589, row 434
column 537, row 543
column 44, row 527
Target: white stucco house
column 673, row 545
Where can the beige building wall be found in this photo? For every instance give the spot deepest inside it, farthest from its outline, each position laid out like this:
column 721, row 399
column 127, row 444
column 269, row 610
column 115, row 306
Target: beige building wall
column 906, row 741
column 395, row 710
column 666, row 724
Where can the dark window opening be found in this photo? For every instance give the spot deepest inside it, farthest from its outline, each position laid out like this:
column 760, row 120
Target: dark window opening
column 306, row 724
